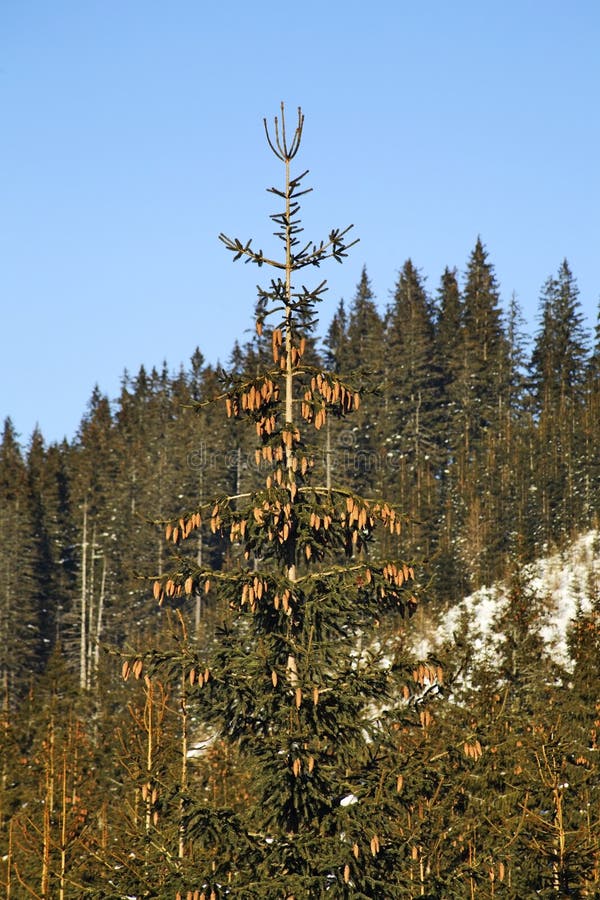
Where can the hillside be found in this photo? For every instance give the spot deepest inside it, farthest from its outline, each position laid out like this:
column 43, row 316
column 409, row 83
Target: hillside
column 566, row 583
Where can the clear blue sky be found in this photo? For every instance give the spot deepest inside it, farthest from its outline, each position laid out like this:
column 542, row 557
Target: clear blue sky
column 132, row 135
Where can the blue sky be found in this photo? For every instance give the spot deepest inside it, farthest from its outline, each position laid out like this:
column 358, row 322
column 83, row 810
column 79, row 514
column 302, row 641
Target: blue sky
column 132, row 135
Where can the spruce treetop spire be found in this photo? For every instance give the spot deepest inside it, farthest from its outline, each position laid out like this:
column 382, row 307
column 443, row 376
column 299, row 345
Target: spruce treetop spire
column 280, row 147
column 298, row 305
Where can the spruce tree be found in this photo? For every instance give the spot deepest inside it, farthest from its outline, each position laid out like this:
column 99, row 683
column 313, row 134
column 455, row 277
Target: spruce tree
column 486, row 378
column 294, row 680
column 450, row 356
column 92, row 475
column 485, row 344
column 449, row 349
column 560, row 349
column 590, row 429
column 358, row 447
column 336, row 340
column 21, row 605
column 515, row 506
column 365, row 328
column 558, row 368
column 412, row 392
column 55, row 565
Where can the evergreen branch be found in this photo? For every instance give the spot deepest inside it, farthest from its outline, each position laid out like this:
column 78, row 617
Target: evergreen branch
column 320, row 253
column 24, row 884
column 241, row 250
column 519, row 827
column 333, row 248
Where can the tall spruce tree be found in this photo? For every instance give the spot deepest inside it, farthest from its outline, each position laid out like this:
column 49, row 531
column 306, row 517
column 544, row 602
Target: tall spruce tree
column 486, row 378
column 49, row 506
column 590, row 428
column 515, row 441
column 560, row 349
column 558, row 368
column 92, row 475
column 358, row 448
column 412, row 388
column 449, row 337
column 449, row 351
column 485, row 344
column 365, row 329
column 336, row 340
column 21, row 589
column 294, row 680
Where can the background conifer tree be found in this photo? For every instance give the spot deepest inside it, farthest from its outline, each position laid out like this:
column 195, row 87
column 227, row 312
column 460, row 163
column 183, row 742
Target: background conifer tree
column 486, row 379
column 449, row 351
column 364, row 355
column 590, row 422
column 486, row 347
column 21, row 593
column 412, row 386
column 558, row 365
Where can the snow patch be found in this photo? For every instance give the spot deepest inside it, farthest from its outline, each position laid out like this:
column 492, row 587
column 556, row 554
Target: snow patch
column 566, row 583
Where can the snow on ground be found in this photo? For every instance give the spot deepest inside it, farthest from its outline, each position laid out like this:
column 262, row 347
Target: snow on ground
column 569, row 579
column 565, row 581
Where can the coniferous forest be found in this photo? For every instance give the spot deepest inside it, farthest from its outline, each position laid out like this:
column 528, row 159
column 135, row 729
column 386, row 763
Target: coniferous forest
column 210, row 682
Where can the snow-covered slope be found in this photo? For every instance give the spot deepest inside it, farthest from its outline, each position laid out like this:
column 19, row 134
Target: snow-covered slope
column 565, row 581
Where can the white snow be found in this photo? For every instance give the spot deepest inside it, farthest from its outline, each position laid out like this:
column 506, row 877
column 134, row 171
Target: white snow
column 564, row 581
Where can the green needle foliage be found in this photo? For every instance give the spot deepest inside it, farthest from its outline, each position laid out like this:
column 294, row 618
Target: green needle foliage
column 295, row 679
